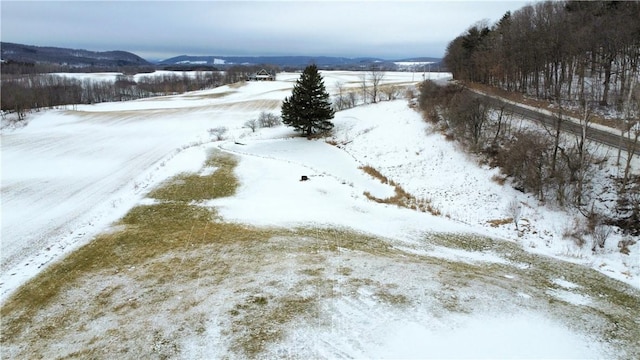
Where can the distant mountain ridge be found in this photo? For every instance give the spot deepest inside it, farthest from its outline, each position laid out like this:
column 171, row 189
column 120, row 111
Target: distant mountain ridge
column 89, row 60
column 70, row 57
column 290, row 61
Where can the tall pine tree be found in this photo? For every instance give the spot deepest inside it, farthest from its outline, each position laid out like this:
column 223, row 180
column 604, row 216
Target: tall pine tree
column 308, row 108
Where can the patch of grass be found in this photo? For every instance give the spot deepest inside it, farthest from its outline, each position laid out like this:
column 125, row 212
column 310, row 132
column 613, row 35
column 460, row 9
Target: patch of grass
column 312, row 272
column 401, row 198
column 193, row 187
column 259, row 324
column 450, row 301
column 149, row 231
column 463, row 241
column 166, row 216
column 173, row 261
column 499, row 222
column 335, row 238
column 160, row 247
column 389, row 298
column 376, row 174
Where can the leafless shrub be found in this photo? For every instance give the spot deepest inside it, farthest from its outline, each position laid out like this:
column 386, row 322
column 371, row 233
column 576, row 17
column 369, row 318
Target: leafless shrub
column 218, row 132
column 593, row 220
column 251, row 124
column 576, row 232
column 600, row 235
column 624, row 244
column 390, row 92
column 268, row 120
column 524, row 160
column 434, row 99
column 410, row 93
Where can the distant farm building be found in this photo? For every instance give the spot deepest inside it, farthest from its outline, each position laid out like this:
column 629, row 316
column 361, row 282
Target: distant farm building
column 262, row 75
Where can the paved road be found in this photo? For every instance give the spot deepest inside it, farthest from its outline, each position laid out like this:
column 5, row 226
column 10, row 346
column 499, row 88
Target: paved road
column 594, row 134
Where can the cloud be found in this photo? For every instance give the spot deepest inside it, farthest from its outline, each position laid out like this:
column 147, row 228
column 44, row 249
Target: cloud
column 169, row 28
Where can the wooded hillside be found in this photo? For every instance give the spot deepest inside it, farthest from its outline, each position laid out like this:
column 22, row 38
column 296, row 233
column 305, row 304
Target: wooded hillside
column 571, row 52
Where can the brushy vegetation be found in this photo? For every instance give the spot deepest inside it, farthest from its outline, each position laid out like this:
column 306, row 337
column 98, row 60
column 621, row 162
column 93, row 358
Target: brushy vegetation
column 556, row 166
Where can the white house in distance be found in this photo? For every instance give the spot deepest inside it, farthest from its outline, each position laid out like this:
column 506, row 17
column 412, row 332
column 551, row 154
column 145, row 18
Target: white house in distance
column 262, row 75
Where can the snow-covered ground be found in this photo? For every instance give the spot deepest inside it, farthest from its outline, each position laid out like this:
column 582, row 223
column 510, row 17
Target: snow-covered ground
column 68, row 175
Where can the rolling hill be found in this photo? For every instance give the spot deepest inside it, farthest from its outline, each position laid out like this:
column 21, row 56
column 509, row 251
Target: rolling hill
column 20, row 53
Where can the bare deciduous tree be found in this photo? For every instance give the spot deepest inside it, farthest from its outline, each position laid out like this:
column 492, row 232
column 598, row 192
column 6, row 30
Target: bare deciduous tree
column 577, row 43
column 633, row 131
column 363, row 87
column 218, row 132
column 525, row 159
column 268, row 120
column 376, row 75
column 251, row 124
column 345, row 99
column 468, row 116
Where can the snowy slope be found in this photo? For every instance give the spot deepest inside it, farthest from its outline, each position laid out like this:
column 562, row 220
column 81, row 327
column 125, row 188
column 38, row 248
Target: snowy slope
column 69, row 174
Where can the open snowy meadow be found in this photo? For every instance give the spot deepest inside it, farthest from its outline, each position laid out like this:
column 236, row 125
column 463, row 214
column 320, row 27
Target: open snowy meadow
column 129, row 230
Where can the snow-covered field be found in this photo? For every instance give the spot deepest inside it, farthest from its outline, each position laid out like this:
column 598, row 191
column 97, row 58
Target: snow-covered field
column 68, row 175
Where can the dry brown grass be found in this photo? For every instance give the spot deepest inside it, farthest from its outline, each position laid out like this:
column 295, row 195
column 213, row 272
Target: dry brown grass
column 401, row 198
column 499, row 222
column 499, row 179
column 149, row 231
column 193, row 187
column 174, row 271
column 159, row 251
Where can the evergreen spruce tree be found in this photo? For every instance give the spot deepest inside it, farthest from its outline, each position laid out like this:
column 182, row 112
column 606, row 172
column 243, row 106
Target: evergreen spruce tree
column 308, row 108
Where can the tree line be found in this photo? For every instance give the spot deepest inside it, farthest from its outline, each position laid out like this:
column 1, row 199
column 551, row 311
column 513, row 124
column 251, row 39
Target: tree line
column 565, row 51
column 14, row 67
column 23, row 93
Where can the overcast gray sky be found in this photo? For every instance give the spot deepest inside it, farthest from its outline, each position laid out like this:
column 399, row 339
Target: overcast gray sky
column 163, row 29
